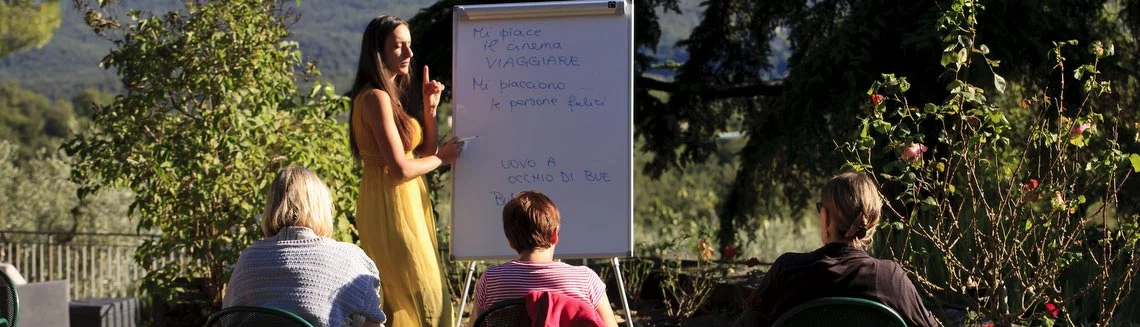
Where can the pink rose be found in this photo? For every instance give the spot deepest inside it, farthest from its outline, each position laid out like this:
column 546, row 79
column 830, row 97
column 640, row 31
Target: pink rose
column 914, row 151
column 1080, row 129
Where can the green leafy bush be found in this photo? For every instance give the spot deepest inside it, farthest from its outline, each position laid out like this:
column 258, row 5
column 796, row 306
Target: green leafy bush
column 210, row 114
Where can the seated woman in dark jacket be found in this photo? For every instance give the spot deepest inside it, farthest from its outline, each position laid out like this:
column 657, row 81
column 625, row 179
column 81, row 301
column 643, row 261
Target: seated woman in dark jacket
column 848, row 214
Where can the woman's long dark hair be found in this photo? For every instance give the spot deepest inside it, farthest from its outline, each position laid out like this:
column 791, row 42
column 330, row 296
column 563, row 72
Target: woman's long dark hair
column 373, row 73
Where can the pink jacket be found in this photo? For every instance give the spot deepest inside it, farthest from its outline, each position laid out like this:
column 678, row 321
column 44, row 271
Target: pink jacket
column 547, row 309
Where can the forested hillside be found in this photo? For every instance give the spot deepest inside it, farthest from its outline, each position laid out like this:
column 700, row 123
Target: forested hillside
column 328, row 32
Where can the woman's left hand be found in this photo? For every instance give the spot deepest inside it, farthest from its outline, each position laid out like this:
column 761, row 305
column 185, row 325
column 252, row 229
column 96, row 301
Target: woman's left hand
column 432, row 90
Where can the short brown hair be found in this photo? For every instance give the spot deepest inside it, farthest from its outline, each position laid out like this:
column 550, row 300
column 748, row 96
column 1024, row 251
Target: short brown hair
column 298, row 198
column 854, row 206
column 529, row 220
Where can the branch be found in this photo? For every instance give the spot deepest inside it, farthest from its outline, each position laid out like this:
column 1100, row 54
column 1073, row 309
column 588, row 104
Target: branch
column 765, row 88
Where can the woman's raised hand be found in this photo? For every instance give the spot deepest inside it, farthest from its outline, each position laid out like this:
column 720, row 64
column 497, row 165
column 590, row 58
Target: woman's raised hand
column 432, row 90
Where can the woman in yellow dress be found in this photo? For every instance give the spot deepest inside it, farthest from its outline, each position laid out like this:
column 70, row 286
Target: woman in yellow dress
column 393, row 211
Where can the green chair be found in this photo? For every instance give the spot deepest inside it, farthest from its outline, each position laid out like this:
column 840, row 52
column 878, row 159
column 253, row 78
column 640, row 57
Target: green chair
column 11, row 305
column 841, row 311
column 251, row 316
column 506, row 313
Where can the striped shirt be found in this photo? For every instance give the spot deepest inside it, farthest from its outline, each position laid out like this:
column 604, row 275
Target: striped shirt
column 514, row 279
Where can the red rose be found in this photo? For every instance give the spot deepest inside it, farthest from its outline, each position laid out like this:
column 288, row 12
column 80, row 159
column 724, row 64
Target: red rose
column 729, row 252
column 1030, row 185
column 876, row 99
column 1052, row 309
column 752, row 262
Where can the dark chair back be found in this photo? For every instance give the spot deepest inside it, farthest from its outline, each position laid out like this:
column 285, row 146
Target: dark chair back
column 841, row 311
column 506, row 313
column 11, row 302
column 250, row 316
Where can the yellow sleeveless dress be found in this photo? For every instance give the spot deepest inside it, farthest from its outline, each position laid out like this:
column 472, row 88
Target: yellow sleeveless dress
column 397, row 230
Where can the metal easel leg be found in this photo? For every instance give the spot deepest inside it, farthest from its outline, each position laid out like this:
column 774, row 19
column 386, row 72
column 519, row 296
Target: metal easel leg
column 624, row 298
column 466, row 288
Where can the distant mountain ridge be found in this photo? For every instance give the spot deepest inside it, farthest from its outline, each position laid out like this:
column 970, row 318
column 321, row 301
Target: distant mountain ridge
column 329, row 32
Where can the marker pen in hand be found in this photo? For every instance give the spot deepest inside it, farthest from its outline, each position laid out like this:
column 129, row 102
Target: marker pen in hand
column 463, row 141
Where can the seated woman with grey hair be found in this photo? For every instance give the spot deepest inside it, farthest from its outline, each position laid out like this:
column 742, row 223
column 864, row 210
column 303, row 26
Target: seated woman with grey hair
column 298, row 268
column 848, row 213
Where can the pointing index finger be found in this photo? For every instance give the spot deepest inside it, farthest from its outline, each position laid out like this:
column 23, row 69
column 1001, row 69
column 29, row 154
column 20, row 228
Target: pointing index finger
column 427, row 77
